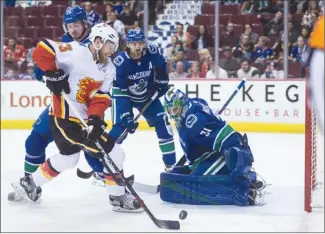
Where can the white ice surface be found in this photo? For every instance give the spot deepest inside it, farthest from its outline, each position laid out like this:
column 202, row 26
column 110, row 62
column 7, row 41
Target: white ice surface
column 72, row 204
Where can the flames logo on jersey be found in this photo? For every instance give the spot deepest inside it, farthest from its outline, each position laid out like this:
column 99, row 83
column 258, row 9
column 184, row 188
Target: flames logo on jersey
column 87, row 87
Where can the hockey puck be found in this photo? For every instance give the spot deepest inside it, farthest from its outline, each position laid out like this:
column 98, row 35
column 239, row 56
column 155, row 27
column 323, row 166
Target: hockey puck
column 183, row 214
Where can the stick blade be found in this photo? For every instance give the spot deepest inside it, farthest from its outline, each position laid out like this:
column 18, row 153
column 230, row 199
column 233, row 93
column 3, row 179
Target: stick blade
column 167, row 224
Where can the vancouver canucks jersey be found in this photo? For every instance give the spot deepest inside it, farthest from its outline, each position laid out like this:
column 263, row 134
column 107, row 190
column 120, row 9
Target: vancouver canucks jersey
column 67, row 38
column 135, row 78
column 201, row 130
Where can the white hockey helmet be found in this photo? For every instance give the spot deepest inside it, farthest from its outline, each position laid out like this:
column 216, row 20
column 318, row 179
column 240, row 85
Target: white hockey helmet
column 105, row 33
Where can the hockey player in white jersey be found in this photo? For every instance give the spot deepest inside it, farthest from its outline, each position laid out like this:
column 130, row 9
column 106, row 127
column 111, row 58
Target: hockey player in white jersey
column 71, row 67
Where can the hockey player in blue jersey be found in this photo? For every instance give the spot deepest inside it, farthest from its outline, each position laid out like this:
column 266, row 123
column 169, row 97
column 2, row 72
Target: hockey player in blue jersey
column 219, row 169
column 140, row 71
column 76, row 29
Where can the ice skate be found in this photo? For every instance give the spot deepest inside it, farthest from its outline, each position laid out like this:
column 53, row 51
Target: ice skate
column 125, row 203
column 25, row 190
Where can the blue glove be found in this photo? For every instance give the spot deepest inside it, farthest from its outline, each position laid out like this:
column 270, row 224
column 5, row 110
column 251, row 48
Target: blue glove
column 128, row 123
column 38, row 74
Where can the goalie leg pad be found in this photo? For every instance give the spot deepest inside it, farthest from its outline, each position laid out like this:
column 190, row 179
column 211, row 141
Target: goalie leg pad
column 203, row 190
column 239, row 161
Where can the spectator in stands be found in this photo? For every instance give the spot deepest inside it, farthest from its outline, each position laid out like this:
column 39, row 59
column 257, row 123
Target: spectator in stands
column 248, row 7
column 203, row 39
column 243, row 50
column 29, row 74
column 248, row 30
column 293, row 33
column 171, row 48
column 178, row 46
column 204, row 59
column 300, row 52
column 118, row 26
column 229, row 63
column 128, row 18
column 10, row 3
column 262, row 5
column 272, row 26
column 10, row 75
column 14, row 53
column 180, row 57
column 305, row 32
column 137, row 7
column 310, row 19
column 211, row 74
column 108, row 10
column 179, row 72
column 117, row 6
column 248, row 71
column 195, row 72
column 92, row 16
column 228, row 37
column 262, row 50
column 272, row 71
column 313, row 7
column 278, row 49
column 182, row 36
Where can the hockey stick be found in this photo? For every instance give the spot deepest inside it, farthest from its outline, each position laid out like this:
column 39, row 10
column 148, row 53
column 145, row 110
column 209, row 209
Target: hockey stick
column 153, row 189
column 108, row 162
column 87, row 175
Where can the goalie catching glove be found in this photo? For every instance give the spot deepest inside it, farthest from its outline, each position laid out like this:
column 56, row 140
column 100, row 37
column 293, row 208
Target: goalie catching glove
column 57, row 81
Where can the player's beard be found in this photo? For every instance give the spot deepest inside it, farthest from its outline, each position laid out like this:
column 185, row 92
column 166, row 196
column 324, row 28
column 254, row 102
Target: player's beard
column 102, row 58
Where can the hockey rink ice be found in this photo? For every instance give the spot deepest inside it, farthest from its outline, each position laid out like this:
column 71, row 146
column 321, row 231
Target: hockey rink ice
column 70, row 204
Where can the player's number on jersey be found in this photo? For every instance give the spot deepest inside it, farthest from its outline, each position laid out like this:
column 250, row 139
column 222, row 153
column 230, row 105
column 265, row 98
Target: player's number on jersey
column 65, row 47
column 205, row 132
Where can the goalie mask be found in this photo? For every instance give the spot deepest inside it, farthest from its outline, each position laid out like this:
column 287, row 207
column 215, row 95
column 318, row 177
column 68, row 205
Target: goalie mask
column 175, row 102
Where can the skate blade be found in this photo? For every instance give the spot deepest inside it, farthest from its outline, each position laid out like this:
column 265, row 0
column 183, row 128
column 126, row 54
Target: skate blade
column 15, row 197
column 120, row 209
column 21, row 192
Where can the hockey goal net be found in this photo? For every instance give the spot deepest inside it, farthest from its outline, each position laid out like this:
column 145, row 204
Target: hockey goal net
column 314, row 162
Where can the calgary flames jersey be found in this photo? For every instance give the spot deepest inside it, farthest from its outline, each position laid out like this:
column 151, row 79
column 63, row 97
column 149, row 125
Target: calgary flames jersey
column 89, row 85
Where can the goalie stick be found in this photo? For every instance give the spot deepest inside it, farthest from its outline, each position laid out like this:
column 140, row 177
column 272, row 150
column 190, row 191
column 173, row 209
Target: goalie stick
column 108, row 163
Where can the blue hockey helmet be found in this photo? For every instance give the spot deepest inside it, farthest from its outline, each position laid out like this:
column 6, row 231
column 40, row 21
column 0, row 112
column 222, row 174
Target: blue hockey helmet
column 135, row 35
column 174, row 102
column 74, row 14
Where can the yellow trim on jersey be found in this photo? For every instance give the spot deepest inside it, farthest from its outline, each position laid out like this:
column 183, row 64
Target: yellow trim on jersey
column 102, row 95
column 62, row 108
column 48, row 49
column 72, row 141
column 47, row 176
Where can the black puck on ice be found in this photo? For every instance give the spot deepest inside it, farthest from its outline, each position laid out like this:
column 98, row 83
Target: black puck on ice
column 183, row 214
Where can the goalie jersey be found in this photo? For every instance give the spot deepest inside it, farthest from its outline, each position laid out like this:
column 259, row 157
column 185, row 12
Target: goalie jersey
column 89, row 86
column 134, row 78
column 201, row 130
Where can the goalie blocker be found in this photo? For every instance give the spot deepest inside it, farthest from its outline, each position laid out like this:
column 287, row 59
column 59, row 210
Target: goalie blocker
column 220, row 160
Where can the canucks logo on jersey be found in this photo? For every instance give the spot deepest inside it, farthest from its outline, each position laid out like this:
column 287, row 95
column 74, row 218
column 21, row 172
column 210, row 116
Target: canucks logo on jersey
column 135, row 78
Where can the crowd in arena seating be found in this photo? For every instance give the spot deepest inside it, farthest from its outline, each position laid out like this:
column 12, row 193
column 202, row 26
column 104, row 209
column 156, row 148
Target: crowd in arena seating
column 251, row 35
column 251, row 42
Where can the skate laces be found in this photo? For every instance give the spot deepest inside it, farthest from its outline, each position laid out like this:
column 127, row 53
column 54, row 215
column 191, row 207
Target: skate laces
column 127, row 198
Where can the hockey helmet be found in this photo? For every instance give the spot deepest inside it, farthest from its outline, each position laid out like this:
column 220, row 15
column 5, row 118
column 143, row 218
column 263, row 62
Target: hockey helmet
column 74, row 14
column 105, row 33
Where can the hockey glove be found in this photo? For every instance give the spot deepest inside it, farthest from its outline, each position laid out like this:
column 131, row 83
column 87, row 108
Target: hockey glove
column 96, row 127
column 129, row 124
column 57, row 81
column 161, row 87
